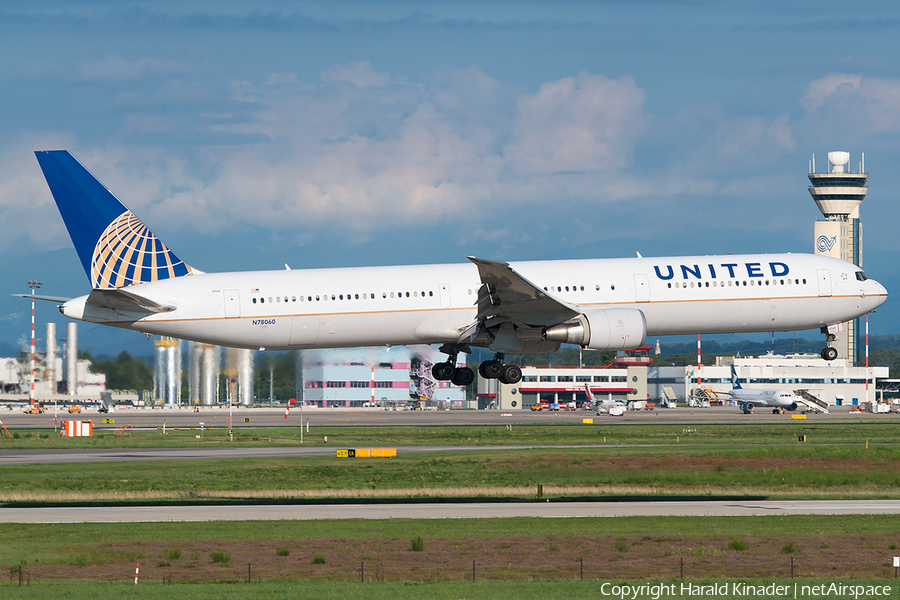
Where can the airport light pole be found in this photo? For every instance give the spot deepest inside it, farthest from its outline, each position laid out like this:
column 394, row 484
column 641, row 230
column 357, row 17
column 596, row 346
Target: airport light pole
column 33, row 285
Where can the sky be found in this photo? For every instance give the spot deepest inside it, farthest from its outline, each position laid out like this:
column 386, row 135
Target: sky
column 248, row 135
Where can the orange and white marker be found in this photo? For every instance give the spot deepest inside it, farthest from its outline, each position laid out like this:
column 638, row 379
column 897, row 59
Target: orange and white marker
column 137, row 569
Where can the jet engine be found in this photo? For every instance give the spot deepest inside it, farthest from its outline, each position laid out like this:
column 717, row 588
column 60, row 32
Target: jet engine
column 605, row 329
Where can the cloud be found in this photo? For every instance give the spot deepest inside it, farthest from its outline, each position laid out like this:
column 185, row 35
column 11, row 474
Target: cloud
column 359, row 153
column 116, row 68
column 359, row 74
column 27, row 209
column 584, row 123
column 819, row 89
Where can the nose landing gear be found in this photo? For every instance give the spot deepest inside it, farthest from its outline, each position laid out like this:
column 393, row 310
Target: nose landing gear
column 829, row 353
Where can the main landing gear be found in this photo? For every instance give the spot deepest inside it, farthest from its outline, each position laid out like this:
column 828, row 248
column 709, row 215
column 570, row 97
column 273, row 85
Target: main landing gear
column 495, row 369
column 829, row 353
column 489, row 369
column 448, row 371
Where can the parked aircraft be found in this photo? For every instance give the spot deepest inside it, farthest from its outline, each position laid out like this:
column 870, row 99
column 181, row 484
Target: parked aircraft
column 748, row 399
column 139, row 283
column 613, row 408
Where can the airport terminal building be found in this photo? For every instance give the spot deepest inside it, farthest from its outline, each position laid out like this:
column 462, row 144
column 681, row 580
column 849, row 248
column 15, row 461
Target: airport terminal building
column 835, row 382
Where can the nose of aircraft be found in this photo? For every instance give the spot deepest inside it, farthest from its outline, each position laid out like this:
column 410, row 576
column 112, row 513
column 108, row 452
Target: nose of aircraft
column 877, row 292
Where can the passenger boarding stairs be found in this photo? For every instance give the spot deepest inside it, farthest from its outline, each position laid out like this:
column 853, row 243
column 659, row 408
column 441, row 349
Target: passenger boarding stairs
column 811, row 401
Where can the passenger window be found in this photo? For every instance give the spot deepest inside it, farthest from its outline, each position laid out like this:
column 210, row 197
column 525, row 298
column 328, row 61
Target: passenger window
column 254, row 301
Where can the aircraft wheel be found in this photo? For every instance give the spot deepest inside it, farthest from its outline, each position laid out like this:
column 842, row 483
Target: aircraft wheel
column 443, row 371
column 463, row 377
column 491, row 369
column 829, row 353
column 511, row 374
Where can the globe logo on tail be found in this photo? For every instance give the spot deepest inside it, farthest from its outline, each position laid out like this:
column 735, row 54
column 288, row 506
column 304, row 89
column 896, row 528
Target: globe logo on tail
column 128, row 253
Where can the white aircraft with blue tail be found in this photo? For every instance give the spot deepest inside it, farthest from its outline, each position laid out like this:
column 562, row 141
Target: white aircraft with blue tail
column 138, row 283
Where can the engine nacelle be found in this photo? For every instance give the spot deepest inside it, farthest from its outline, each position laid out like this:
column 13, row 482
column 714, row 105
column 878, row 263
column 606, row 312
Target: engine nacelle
column 606, row 329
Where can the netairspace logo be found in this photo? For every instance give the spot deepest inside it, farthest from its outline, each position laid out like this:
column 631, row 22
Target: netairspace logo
column 658, row 591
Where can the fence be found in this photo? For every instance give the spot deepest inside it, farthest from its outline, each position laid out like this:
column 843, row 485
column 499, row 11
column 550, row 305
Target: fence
column 378, row 571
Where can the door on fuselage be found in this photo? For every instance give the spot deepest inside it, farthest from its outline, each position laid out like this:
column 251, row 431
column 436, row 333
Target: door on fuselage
column 232, row 304
column 824, row 278
column 641, row 287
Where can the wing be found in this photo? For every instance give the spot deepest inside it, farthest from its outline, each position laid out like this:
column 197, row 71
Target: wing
column 507, row 295
column 513, row 310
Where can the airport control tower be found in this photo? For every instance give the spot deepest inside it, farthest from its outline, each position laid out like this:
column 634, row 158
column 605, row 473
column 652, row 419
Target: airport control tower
column 838, row 193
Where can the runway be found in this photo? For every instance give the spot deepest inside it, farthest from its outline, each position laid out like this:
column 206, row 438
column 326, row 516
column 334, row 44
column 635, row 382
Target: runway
column 218, row 417
column 482, row 510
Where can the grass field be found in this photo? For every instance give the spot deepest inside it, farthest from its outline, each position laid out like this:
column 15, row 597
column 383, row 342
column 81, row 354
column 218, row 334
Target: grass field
column 631, row 548
column 810, row 471
column 654, row 461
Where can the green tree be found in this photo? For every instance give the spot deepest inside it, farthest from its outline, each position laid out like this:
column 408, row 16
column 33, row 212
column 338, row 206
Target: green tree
column 283, row 368
column 125, row 372
column 886, row 358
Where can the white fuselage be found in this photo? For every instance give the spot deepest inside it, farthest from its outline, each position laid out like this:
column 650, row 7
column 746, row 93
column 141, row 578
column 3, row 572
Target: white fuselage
column 431, row 304
column 771, row 398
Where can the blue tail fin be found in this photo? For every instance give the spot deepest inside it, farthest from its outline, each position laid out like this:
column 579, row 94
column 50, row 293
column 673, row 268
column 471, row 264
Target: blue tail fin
column 115, row 248
column 735, row 382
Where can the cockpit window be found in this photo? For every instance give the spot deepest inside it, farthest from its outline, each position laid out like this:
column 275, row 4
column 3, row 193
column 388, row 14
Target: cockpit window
column 861, row 276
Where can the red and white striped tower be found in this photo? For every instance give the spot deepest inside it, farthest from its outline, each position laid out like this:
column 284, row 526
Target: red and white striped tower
column 698, row 360
column 867, row 359
column 33, row 285
column 373, row 385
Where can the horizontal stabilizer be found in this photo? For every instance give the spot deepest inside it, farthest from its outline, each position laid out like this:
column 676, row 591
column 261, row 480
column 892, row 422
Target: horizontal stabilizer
column 122, row 301
column 57, row 299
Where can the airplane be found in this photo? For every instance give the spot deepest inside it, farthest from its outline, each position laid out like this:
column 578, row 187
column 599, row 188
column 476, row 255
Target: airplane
column 613, row 408
column 138, row 283
column 749, row 399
